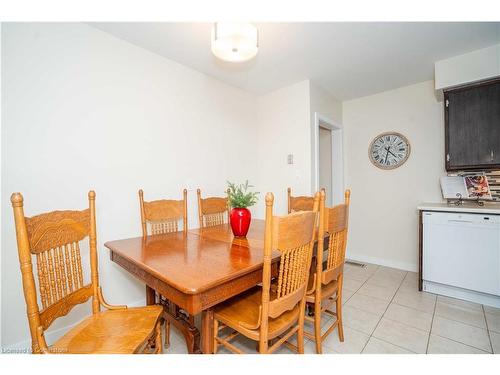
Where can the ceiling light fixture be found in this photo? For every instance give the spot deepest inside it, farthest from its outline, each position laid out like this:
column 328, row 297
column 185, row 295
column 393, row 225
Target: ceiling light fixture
column 235, row 42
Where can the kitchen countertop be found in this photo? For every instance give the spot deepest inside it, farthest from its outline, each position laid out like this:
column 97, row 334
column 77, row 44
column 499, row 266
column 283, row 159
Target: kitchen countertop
column 470, row 207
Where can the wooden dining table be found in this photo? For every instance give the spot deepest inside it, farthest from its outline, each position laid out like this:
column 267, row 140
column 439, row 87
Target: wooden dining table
column 191, row 272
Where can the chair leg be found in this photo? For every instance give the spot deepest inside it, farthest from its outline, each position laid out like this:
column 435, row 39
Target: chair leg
column 300, row 339
column 263, row 345
column 300, row 332
column 158, row 339
column 338, row 306
column 167, row 333
column 216, row 332
column 317, row 325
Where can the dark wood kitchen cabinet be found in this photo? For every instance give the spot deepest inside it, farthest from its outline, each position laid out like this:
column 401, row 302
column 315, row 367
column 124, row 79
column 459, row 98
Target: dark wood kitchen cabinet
column 472, row 126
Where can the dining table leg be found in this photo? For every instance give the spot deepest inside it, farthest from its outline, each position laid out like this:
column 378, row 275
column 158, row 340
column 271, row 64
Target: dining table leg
column 181, row 321
column 185, row 324
column 207, row 331
column 150, row 295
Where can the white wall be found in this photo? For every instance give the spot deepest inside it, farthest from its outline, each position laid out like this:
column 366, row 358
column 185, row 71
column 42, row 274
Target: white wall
column 469, row 67
column 83, row 110
column 383, row 218
column 324, row 103
column 282, row 129
column 286, row 120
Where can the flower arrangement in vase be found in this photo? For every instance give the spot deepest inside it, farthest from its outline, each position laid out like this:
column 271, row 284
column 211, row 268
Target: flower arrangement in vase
column 239, row 200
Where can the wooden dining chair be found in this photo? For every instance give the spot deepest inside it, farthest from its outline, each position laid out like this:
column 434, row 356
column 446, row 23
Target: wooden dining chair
column 299, row 203
column 212, row 210
column 53, row 239
column 274, row 311
column 164, row 215
column 325, row 284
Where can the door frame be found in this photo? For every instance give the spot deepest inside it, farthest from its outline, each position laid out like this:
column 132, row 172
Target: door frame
column 338, row 166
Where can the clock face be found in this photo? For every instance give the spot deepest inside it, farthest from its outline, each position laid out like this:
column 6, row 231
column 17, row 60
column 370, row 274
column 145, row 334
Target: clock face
column 389, row 150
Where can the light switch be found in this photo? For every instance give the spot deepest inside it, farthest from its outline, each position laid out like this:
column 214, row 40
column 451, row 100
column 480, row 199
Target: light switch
column 290, row 159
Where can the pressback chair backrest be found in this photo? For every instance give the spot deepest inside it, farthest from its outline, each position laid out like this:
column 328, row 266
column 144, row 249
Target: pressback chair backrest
column 212, row 210
column 293, row 236
column 163, row 215
column 299, row 203
column 335, row 226
column 53, row 240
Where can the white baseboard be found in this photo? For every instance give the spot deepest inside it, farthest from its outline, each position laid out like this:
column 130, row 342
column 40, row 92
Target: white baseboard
column 383, row 262
column 24, row 346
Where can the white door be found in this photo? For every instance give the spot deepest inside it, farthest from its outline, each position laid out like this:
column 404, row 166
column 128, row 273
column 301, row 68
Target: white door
column 325, row 163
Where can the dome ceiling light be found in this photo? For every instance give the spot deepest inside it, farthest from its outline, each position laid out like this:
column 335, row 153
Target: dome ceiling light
column 235, row 42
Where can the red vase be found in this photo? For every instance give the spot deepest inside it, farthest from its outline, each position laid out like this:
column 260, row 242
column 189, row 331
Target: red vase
column 240, row 221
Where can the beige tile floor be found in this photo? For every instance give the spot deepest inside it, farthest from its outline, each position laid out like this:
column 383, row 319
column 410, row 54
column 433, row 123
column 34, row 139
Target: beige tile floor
column 385, row 313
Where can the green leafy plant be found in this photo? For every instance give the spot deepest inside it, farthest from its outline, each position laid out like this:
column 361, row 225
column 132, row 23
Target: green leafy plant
column 240, row 197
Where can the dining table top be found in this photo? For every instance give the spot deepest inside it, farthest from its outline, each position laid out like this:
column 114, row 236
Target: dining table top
column 199, row 259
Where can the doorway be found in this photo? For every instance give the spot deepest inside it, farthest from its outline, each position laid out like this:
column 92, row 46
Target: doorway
column 328, row 170
column 325, row 168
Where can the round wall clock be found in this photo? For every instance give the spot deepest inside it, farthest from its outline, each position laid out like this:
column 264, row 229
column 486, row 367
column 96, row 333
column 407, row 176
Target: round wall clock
column 389, row 150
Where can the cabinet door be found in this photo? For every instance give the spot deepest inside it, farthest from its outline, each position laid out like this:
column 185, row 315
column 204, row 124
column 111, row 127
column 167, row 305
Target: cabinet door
column 472, row 116
column 492, row 121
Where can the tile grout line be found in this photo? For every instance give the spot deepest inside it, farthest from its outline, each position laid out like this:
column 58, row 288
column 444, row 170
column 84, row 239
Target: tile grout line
column 487, row 329
column 364, row 282
column 374, row 329
column 462, row 343
column 429, row 333
column 399, row 346
column 345, row 301
column 432, row 324
column 432, row 321
column 390, row 343
column 404, row 324
column 357, row 290
column 459, row 321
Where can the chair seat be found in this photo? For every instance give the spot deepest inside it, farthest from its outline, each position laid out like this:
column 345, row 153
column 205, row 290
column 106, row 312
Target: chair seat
column 123, row 331
column 327, row 290
column 244, row 308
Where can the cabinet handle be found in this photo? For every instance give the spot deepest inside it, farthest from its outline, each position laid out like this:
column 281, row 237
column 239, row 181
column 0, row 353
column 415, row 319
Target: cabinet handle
column 447, row 157
column 492, row 155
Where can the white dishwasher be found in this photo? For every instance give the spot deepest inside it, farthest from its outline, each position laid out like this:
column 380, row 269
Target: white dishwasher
column 461, row 255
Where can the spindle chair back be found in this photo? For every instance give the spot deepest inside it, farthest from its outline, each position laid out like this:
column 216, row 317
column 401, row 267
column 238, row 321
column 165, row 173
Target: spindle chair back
column 164, row 215
column 212, row 210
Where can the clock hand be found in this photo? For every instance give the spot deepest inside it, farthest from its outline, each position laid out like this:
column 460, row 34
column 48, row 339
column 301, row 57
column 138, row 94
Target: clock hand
column 392, row 154
column 386, row 155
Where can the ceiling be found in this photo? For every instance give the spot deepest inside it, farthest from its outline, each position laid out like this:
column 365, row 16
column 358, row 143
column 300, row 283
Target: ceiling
column 348, row 59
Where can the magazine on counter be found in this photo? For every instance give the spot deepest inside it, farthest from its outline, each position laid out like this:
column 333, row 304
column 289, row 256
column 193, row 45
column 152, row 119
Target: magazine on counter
column 468, row 186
